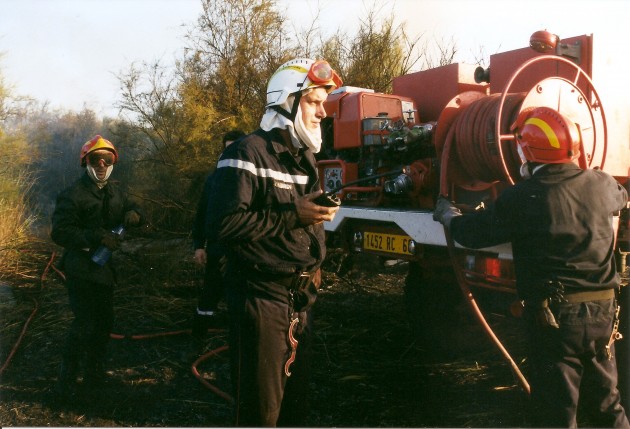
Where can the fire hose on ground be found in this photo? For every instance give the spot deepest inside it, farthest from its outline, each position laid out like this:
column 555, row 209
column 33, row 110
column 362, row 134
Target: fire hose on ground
column 213, row 353
column 116, row 336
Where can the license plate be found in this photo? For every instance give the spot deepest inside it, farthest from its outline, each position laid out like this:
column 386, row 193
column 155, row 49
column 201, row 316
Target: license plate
column 389, row 243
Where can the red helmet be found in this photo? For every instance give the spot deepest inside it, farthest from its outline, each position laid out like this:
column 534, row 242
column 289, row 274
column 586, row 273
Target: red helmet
column 546, row 136
column 97, row 143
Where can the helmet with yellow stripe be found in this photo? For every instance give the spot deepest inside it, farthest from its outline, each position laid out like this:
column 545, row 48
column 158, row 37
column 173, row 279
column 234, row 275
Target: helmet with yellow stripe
column 97, row 143
column 297, row 75
column 547, row 136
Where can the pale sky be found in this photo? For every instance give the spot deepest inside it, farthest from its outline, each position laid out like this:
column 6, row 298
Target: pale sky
column 68, row 52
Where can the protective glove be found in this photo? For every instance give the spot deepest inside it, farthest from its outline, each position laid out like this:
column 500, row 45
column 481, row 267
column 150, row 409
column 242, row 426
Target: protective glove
column 445, row 211
column 111, row 241
column 132, row 218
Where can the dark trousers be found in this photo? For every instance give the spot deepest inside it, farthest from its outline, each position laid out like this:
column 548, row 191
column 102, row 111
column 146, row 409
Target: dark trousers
column 259, row 349
column 569, row 366
column 88, row 335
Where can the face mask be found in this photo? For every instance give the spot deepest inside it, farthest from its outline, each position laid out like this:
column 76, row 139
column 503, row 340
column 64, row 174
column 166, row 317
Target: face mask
column 311, row 138
column 297, row 130
column 274, row 119
column 94, row 177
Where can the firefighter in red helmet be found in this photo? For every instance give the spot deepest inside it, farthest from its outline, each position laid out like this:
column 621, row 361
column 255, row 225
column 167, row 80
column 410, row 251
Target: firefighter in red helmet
column 85, row 214
column 559, row 222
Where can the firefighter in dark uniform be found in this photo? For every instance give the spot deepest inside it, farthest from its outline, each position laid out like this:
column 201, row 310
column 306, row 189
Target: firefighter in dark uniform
column 261, row 208
column 84, row 217
column 208, row 255
column 559, row 221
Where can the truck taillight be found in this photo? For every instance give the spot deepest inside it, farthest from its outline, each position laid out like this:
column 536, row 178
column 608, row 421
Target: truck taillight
column 493, row 267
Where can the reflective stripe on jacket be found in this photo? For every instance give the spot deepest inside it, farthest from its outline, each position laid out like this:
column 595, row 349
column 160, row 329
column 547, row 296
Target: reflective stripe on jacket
column 251, row 205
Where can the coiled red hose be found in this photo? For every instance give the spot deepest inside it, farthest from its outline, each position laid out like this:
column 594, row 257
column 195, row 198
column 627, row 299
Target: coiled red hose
column 474, row 152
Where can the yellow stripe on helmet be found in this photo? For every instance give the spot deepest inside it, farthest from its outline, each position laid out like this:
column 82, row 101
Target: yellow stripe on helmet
column 293, row 67
column 549, row 132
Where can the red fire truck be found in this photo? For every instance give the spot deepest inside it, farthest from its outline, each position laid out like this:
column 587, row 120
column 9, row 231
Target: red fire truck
column 447, row 131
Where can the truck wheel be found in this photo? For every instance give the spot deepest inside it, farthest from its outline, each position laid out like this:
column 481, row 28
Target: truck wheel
column 432, row 300
column 438, row 313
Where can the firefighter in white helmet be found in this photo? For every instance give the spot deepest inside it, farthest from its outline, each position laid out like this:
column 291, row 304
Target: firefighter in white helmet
column 559, row 221
column 85, row 214
column 261, row 208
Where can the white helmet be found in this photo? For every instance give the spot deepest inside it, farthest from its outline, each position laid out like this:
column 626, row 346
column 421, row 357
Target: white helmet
column 297, row 75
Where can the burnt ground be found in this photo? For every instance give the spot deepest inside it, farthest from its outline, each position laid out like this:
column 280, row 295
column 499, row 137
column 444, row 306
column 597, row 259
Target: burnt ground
column 373, row 365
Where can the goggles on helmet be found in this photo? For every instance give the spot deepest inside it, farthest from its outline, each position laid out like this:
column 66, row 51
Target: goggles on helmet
column 321, row 73
column 95, row 144
column 94, row 158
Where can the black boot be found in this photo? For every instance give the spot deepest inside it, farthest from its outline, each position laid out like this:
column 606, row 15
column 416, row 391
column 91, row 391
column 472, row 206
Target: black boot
column 95, row 376
column 65, row 388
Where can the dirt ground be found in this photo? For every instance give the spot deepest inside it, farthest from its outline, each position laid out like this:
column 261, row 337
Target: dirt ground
column 372, row 366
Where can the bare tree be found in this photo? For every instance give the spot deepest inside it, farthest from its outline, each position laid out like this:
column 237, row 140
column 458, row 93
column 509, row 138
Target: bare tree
column 380, row 51
column 440, row 53
column 149, row 98
column 234, row 48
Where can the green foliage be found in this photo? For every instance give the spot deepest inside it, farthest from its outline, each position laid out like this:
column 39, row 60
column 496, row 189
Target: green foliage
column 3, row 98
column 234, row 48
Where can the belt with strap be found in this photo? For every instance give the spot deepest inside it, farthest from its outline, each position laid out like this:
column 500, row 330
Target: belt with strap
column 590, row 295
column 296, row 281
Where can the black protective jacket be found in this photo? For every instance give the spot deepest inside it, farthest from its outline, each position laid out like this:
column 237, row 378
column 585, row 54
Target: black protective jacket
column 213, row 249
column 199, row 222
column 560, row 225
column 83, row 214
column 251, row 209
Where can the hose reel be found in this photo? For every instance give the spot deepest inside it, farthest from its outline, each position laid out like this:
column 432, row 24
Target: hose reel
column 476, row 126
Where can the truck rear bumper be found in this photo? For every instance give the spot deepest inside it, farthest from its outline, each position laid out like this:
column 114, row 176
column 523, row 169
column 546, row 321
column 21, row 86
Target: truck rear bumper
column 419, row 225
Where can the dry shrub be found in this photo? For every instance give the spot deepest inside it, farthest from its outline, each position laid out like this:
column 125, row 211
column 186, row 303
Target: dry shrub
column 16, row 181
column 14, row 224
